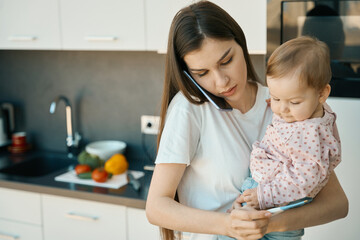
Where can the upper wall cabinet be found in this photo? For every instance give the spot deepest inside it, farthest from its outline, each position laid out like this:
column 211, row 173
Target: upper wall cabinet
column 103, row 24
column 159, row 15
column 250, row 14
column 112, row 24
column 29, row 24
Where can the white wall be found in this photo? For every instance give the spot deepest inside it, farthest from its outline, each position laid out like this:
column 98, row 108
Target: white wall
column 348, row 172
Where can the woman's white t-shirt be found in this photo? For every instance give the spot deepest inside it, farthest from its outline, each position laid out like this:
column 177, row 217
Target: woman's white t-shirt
column 215, row 145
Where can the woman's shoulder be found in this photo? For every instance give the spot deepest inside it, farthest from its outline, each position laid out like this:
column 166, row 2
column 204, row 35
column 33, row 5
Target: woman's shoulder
column 181, row 108
column 179, row 99
column 261, row 106
column 181, row 103
column 263, row 91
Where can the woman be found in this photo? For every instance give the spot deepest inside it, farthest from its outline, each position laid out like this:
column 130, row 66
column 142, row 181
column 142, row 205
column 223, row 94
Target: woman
column 203, row 153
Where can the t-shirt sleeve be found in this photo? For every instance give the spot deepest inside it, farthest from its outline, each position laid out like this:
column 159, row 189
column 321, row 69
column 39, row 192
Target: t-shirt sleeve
column 181, row 134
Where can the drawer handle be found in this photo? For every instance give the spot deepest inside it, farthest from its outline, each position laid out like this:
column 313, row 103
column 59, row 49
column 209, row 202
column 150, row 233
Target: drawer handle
column 79, row 216
column 8, row 236
column 100, row 39
column 22, row 38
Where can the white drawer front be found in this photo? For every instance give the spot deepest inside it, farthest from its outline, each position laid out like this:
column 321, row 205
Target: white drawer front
column 20, row 206
column 139, row 227
column 10, row 230
column 68, row 218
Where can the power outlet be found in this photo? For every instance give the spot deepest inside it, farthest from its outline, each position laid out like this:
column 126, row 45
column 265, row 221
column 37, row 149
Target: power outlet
column 150, row 124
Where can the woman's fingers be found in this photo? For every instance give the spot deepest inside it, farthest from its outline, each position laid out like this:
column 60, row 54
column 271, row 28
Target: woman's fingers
column 248, row 213
column 242, row 236
column 247, row 223
column 236, row 205
column 248, row 233
column 250, row 226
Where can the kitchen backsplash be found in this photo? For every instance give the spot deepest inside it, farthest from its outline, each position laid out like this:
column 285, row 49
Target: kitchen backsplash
column 109, row 91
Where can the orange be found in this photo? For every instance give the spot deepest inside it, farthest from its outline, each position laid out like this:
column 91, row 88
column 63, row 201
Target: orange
column 117, row 164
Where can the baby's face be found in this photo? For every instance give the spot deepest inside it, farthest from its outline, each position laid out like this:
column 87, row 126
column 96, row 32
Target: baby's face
column 292, row 99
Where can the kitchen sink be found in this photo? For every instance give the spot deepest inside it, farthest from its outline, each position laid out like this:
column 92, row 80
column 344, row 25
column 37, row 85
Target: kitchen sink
column 39, row 165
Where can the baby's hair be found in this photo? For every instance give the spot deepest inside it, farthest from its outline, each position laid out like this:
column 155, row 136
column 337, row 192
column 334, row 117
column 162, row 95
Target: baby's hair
column 306, row 56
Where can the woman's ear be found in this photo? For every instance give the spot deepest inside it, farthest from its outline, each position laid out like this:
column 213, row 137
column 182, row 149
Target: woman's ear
column 324, row 93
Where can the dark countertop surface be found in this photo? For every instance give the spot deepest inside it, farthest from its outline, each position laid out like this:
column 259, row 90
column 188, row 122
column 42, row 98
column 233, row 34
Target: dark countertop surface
column 46, row 184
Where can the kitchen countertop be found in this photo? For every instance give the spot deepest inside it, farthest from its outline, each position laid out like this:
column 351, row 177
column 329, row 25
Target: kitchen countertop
column 126, row 195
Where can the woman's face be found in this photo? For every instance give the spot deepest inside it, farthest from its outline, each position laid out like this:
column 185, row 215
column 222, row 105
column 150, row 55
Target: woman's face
column 219, row 66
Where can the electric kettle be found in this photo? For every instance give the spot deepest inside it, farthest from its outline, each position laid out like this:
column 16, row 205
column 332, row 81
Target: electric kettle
column 7, row 124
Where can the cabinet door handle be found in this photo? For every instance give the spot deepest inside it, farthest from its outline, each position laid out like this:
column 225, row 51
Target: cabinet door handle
column 162, row 51
column 100, row 38
column 8, row 236
column 80, row 216
column 22, row 38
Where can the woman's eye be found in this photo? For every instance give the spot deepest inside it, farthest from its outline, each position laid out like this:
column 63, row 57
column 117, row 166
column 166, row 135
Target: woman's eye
column 202, row 74
column 275, row 99
column 227, row 62
column 294, row 103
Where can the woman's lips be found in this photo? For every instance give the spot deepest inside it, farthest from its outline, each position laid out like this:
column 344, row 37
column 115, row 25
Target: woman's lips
column 229, row 92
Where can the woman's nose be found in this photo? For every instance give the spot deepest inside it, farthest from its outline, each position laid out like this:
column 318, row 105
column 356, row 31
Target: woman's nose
column 221, row 79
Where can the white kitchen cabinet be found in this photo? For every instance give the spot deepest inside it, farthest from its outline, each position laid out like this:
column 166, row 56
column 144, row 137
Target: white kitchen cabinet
column 28, row 24
column 28, row 216
column 20, row 215
column 250, row 14
column 10, row 230
column 139, row 227
column 102, row 24
column 159, row 14
column 68, row 218
column 20, row 206
column 111, row 24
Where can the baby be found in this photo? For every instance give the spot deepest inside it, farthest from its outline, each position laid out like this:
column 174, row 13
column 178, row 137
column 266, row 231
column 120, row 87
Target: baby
column 301, row 147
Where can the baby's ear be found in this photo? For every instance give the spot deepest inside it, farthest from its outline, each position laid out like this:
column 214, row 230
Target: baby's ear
column 324, row 93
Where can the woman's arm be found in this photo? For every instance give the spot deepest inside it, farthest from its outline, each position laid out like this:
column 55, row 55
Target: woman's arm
column 164, row 211
column 330, row 204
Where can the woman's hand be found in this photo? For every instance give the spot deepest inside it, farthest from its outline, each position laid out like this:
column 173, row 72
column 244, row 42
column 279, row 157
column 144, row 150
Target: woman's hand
column 247, row 223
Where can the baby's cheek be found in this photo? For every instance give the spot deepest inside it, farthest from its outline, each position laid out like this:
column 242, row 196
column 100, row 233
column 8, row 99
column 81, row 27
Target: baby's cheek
column 274, row 107
column 301, row 115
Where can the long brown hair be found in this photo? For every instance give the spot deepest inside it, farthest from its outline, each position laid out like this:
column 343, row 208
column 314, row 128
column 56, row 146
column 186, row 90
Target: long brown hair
column 190, row 26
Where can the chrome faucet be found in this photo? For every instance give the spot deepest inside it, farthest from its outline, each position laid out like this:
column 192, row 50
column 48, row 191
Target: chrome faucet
column 72, row 140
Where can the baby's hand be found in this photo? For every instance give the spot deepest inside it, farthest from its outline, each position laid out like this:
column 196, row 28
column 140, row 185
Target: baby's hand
column 251, row 198
column 236, row 205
